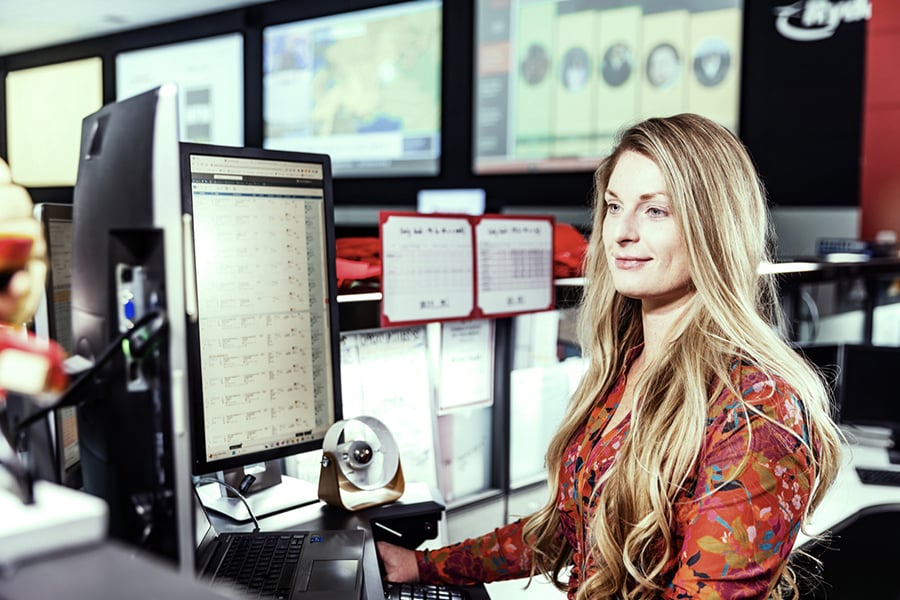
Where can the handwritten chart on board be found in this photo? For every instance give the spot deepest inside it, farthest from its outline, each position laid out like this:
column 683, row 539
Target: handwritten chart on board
column 515, row 264
column 427, row 268
column 445, row 267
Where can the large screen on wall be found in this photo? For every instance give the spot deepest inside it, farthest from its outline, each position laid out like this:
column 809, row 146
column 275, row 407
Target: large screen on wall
column 209, row 73
column 44, row 109
column 363, row 87
column 556, row 79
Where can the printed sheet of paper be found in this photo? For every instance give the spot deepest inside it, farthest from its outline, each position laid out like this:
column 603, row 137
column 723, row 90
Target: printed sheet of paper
column 466, row 364
column 515, row 264
column 427, row 268
column 539, row 397
column 385, row 374
column 465, row 442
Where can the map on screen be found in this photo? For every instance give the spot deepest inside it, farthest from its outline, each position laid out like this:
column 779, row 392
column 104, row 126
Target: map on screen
column 363, row 87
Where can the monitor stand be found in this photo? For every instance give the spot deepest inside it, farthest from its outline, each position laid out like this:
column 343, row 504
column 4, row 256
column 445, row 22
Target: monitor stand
column 271, row 493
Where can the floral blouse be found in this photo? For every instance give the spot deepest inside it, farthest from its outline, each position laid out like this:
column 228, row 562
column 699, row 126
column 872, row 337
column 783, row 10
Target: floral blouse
column 733, row 542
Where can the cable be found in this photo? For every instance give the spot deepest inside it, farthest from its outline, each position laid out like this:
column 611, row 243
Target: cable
column 235, row 491
column 133, row 342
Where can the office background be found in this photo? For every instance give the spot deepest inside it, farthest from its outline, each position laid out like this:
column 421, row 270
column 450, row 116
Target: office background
column 818, row 116
column 821, row 119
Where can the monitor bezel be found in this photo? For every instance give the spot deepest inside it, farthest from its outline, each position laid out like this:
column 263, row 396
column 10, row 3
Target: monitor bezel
column 846, row 414
column 200, row 464
column 358, row 169
column 45, row 325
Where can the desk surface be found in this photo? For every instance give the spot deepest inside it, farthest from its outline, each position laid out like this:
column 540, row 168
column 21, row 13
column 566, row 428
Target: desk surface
column 849, row 496
column 418, row 497
column 114, row 570
column 106, row 570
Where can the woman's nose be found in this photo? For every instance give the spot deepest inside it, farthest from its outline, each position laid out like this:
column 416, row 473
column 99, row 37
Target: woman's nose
column 625, row 228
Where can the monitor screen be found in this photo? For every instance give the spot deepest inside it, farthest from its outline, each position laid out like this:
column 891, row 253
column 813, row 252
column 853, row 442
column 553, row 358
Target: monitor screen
column 53, row 320
column 363, row 87
column 44, row 109
column 128, row 268
column 556, row 79
column 869, row 394
column 209, row 73
column 860, row 377
column 264, row 351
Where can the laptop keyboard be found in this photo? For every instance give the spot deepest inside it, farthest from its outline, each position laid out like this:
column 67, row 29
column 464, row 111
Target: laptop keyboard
column 879, row 476
column 422, row 591
column 262, row 566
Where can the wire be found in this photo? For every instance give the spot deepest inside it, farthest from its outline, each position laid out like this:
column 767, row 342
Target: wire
column 235, row 491
column 137, row 340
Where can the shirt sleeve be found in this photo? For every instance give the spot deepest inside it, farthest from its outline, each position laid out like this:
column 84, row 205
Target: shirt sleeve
column 497, row 555
column 737, row 536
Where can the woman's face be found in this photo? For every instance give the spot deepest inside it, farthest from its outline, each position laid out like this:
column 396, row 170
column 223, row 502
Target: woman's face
column 644, row 248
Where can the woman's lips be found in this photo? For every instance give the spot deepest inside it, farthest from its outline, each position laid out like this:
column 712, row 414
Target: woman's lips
column 630, row 262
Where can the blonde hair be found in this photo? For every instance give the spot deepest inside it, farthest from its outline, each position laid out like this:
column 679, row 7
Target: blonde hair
column 719, row 204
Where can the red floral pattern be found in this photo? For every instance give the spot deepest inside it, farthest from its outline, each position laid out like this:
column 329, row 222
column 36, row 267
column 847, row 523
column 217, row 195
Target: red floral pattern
column 733, row 539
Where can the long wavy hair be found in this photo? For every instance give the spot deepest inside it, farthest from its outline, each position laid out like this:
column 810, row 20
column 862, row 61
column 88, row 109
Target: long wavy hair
column 719, row 204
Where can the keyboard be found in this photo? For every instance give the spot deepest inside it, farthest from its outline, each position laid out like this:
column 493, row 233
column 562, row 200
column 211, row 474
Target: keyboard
column 879, row 476
column 262, row 566
column 422, row 591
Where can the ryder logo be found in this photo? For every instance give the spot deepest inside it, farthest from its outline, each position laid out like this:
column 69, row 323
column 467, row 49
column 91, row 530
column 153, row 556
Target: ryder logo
column 813, row 20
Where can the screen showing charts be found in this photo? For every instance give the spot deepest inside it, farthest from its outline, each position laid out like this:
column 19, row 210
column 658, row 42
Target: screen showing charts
column 363, row 87
column 555, row 80
column 266, row 338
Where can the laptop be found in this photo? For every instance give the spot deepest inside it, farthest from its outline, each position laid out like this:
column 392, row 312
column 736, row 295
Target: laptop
column 291, row 564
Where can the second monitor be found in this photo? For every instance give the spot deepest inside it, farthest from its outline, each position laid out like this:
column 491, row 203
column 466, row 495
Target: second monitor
column 264, row 351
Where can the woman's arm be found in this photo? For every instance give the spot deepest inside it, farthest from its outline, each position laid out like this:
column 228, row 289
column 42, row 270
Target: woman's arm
column 497, row 555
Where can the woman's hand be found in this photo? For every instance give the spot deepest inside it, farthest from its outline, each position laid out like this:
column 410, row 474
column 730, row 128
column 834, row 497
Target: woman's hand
column 399, row 563
column 23, row 265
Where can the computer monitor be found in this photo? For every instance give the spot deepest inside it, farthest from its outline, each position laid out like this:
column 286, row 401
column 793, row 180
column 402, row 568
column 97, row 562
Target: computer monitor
column 869, row 394
column 264, row 352
column 554, row 81
column 53, row 320
column 363, row 86
column 209, row 73
column 128, row 266
column 863, row 383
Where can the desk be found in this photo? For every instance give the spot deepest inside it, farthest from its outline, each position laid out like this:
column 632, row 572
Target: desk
column 418, row 499
column 849, row 496
column 114, row 570
column 106, row 570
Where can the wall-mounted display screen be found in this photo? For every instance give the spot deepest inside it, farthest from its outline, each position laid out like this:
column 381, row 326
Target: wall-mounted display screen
column 363, row 87
column 44, row 109
column 210, row 77
column 556, row 79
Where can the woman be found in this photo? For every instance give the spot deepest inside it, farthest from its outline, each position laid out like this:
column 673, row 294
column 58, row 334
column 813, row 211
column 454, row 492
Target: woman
column 698, row 441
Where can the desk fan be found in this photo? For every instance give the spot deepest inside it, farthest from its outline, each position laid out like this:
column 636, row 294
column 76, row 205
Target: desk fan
column 360, row 465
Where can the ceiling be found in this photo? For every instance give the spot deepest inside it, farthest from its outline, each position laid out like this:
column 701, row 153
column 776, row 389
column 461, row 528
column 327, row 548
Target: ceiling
column 32, row 24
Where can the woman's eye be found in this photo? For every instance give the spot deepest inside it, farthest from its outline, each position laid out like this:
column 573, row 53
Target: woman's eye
column 612, row 207
column 655, row 211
